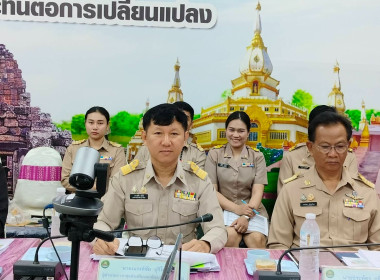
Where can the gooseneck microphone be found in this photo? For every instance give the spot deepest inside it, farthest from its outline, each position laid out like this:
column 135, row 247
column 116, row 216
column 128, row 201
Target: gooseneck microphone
column 202, row 219
column 274, row 275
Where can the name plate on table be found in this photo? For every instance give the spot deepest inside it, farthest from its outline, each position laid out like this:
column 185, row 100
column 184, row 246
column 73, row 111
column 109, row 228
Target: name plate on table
column 345, row 272
column 142, row 269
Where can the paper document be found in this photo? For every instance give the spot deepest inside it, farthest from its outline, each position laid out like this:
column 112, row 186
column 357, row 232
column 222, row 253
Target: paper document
column 257, row 223
column 373, row 257
column 4, row 244
column 199, row 261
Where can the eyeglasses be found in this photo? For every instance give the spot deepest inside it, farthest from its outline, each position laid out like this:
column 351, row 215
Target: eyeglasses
column 340, row 149
column 153, row 242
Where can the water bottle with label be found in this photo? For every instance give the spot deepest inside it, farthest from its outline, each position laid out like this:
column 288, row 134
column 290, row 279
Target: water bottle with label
column 55, row 221
column 309, row 259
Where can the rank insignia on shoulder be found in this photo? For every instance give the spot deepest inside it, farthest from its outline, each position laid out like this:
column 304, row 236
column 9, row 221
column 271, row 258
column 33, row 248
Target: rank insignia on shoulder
column 114, row 144
column 77, row 142
column 350, row 150
column 199, row 147
column 256, row 149
column 365, row 181
column 295, row 176
column 126, row 169
column 197, row 170
column 218, row 147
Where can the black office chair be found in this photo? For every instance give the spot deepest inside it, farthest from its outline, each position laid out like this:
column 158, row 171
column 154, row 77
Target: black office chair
column 3, row 200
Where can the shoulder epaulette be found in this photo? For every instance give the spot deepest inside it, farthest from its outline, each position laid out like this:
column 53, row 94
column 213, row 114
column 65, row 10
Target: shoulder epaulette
column 366, row 181
column 197, row 170
column 295, row 176
column 350, row 150
column 256, row 150
column 77, row 142
column 199, row 147
column 217, row 147
column 296, row 146
column 128, row 168
column 114, row 144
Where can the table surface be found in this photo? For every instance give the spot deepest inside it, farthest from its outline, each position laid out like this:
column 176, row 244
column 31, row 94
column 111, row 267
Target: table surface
column 231, row 261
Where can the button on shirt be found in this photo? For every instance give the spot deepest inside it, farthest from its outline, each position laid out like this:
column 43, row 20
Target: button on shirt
column 235, row 179
column 160, row 206
column 339, row 225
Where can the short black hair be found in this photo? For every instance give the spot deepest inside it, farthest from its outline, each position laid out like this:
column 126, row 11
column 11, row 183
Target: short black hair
column 320, row 109
column 185, row 107
column 100, row 110
column 164, row 115
column 326, row 118
column 239, row 115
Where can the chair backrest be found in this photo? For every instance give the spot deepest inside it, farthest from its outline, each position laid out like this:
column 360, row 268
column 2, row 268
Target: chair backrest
column 39, row 178
column 3, row 200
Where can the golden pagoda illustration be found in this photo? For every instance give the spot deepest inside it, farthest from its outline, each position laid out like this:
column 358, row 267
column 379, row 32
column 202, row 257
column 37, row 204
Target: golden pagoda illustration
column 363, row 117
column 175, row 93
column 365, row 139
column 273, row 121
column 336, row 96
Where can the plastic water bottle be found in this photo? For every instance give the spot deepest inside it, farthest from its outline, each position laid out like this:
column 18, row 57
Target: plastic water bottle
column 55, row 221
column 309, row 259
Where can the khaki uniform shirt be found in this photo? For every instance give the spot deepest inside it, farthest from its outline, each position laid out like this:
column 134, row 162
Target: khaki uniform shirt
column 235, row 179
column 144, row 202
column 339, row 225
column 298, row 160
column 110, row 152
column 190, row 152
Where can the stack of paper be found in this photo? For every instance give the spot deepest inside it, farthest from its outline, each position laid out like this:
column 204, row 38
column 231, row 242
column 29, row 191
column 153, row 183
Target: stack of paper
column 4, row 244
column 373, row 257
column 257, row 223
column 197, row 261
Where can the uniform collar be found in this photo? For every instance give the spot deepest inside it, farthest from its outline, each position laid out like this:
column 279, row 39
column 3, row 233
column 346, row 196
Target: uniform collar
column 311, row 178
column 105, row 145
column 228, row 152
column 179, row 173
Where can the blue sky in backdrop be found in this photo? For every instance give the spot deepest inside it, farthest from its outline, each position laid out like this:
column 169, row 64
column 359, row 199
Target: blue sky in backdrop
column 70, row 67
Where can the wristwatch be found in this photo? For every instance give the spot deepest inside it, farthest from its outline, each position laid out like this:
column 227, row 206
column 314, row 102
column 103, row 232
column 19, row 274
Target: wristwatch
column 245, row 216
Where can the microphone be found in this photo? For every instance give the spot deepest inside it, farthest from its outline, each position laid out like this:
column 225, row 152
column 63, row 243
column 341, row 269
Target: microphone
column 202, row 219
column 273, row 275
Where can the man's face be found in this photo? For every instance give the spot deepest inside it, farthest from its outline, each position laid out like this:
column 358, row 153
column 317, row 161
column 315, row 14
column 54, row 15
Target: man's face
column 325, row 137
column 164, row 143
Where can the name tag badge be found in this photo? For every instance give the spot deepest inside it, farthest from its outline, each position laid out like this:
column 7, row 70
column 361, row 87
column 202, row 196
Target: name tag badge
column 138, row 196
column 225, row 165
column 308, row 204
column 303, row 167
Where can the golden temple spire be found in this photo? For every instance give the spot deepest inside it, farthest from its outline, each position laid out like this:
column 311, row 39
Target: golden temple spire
column 336, row 70
column 175, row 93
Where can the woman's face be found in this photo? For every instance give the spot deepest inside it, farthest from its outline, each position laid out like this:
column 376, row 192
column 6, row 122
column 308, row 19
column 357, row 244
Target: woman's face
column 96, row 125
column 236, row 133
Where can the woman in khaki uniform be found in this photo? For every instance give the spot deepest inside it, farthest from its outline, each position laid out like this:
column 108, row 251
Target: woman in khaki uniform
column 238, row 173
column 97, row 126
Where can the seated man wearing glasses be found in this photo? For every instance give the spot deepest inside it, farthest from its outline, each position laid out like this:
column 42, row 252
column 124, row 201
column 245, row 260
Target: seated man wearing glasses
column 298, row 159
column 162, row 191
column 346, row 207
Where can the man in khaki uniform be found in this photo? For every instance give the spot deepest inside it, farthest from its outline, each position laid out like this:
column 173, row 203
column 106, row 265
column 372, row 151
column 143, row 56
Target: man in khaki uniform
column 191, row 150
column 298, row 160
column 163, row 191
column 346, row 206
column 110, row 152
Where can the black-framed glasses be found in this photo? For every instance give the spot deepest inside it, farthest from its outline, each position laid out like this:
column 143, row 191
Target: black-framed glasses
column 340, row 148
column 153, row 242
